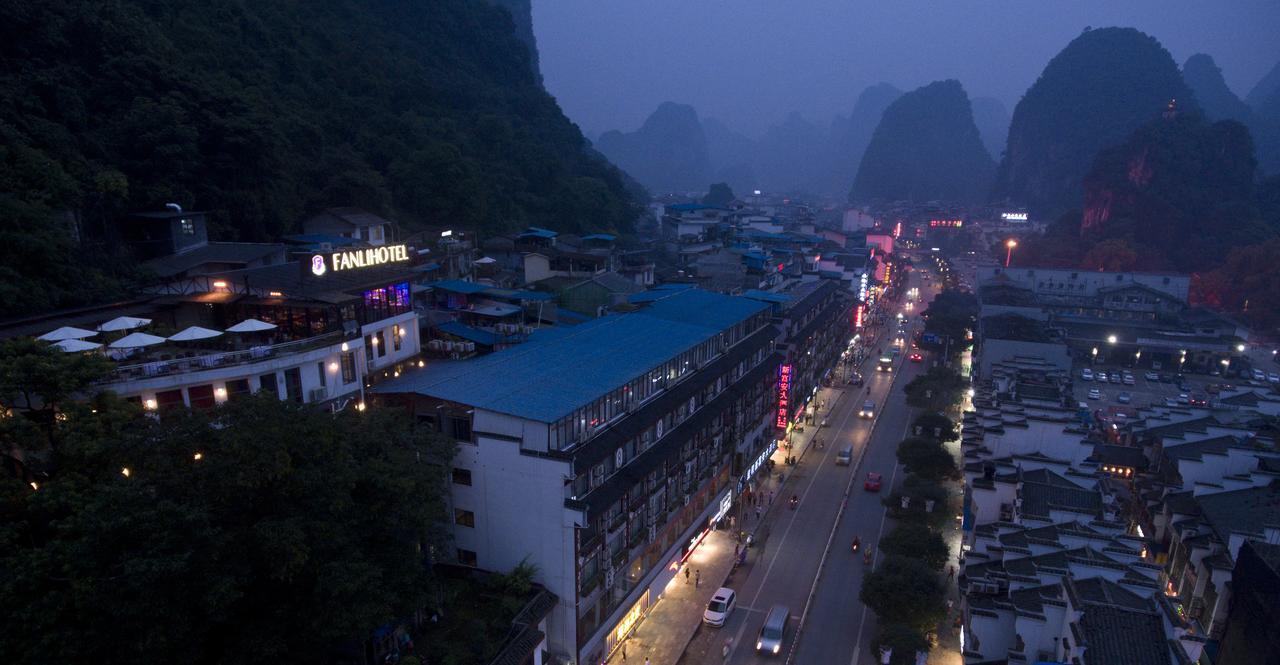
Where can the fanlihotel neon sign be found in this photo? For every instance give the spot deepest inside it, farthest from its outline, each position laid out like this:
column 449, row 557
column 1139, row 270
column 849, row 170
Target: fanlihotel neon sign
column 367, row 257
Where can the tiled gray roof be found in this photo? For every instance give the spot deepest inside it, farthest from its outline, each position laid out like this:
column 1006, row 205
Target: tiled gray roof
column 1113, row 636
column 1247, row 510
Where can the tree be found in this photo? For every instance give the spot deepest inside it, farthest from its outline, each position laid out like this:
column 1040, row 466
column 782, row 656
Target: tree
column 262, row 532
column 916, row 541
column 719, row 196
column 905, row 591
column 951, row 314
column 37, row 380
column 937, row 389
column 926, row 458
column 935, row 425
column 903, row 639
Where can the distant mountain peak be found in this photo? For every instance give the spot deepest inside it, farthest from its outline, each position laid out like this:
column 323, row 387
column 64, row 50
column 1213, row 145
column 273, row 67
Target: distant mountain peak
column 1218, row 102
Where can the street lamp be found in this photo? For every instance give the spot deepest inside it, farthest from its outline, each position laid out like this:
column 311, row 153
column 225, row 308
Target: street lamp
column 1010, row 244
column 1111, row 339
column 1240, row 348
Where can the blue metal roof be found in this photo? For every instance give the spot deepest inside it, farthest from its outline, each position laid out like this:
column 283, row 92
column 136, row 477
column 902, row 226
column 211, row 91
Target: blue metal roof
column 601, row 236
column 536, row 232
column 767, row 296
column 693, row 207
column 458, row 286
column 554, row 373
column 518, row 294
column 468, row 333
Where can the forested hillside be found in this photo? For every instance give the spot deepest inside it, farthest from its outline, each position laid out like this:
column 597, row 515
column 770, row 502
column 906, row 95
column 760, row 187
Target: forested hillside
column 926, row 148
column 262, row 111
column 1094, row 93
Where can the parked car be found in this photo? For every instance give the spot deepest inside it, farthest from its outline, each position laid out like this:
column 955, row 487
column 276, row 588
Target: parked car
column 1086, row 374
column 1102, row 376
column 1273, row 377
column 1124, row 398
column 1259, row 375
column 719, row 608
column 1115, row 378
column 1169, row 401
column 1151, row 376
column 1183, row 399
column 873, row 482
column 1094, row 393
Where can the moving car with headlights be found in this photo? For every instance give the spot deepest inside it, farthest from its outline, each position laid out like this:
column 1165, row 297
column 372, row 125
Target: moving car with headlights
column 873, row 482
column 774, row 630
column 719, row 608
column 868, row 409
column 885, row 364
column 915, row 358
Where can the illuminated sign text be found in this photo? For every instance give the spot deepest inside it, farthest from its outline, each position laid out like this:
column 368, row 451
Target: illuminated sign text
column 1014, row 216
column 367, row 257
column 946, row 223
column 784, row 389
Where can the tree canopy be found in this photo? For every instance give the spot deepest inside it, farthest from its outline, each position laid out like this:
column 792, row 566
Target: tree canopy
column 720, row 195
column 936, row 389
column 262, row 112
column 261, row 532
column 926, row 458
column 906, row 591
column 916, row 541
column 950, row 314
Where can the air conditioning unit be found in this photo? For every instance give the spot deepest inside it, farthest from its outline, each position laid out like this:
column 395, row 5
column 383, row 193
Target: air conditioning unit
column 318, row 395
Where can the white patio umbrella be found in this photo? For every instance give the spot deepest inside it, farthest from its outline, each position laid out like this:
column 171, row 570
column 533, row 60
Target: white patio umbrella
column 67, row 332
column 76, row 345
column 135, row 340
column 123, row 323
column 193, row 333
column 251, row 325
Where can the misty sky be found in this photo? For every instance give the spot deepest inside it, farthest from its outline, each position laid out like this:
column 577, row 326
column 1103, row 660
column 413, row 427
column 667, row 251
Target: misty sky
column 750, row 62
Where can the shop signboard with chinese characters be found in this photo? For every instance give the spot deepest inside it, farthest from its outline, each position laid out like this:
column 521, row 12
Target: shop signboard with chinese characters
column 784, row 392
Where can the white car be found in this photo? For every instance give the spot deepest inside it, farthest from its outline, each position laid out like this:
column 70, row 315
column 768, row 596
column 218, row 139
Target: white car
column 1094, row 393
column 868, row 409
column 719, row 608
column 1273, row 377
column 1151, row 376
column 1086, row 374
column 1259, row 375
column 1101, row 376
column 1128, row 379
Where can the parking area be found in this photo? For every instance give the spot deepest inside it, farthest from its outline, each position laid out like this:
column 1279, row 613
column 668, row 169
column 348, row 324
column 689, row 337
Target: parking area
column 1149, row 387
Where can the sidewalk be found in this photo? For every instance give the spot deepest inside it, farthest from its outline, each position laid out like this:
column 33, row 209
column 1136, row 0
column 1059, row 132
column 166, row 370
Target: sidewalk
column 665, row 634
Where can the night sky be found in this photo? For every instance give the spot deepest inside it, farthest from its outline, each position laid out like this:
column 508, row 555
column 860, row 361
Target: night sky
column 750, row 62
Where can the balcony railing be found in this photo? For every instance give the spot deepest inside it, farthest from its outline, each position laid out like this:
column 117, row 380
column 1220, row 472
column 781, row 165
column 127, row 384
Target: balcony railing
column 199, row 363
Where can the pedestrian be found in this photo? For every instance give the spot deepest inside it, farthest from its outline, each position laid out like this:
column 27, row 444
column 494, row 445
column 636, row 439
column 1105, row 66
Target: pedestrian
column 951, row 572
column 757, row 513
column 646, row 660
column 771, row 498
column 697, row 578
column 624, row 652
column 686, row 575
column 735, row 549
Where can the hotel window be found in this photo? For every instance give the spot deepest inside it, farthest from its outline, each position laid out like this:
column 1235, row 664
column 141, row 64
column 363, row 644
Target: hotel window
column 397, row 336
column 293, row 384
column 464, row 518
column 462, row 476
column 348, row 366
column 324, row 378
column 169, row 399
column 368, row 350
column 460, row 428
column 237, row 388
column 188, row 226
column 201, row 397
column 268, row 383
column 466, row 557
column 380, row 341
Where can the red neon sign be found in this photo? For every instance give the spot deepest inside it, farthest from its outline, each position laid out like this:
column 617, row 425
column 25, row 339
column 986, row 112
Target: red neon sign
column 897, row 230
column 946, row 223
column 857, row 317
column 784, row 389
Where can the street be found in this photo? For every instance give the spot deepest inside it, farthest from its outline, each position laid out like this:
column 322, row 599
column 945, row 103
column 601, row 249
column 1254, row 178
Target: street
column 837, row 628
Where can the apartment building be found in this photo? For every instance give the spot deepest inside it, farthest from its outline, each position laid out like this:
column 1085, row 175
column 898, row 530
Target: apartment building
column 602, row 453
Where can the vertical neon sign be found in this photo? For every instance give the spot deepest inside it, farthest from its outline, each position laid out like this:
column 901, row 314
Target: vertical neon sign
column 784, row 389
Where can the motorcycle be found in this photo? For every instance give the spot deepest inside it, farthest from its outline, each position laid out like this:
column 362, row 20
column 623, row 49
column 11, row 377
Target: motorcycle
column 795, row 501
column 855, row 545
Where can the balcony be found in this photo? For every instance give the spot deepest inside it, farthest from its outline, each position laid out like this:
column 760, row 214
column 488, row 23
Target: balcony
column 208, row 361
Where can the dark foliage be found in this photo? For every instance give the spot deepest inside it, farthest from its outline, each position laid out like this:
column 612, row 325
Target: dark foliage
column 916, row 541
column 935, row 425
column 950, row 314
column 262, row 112
column 905, row 591
column 925, row 148
column 294, row 532
column 1093, row 94
column 926, row 458
column 719, row 195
